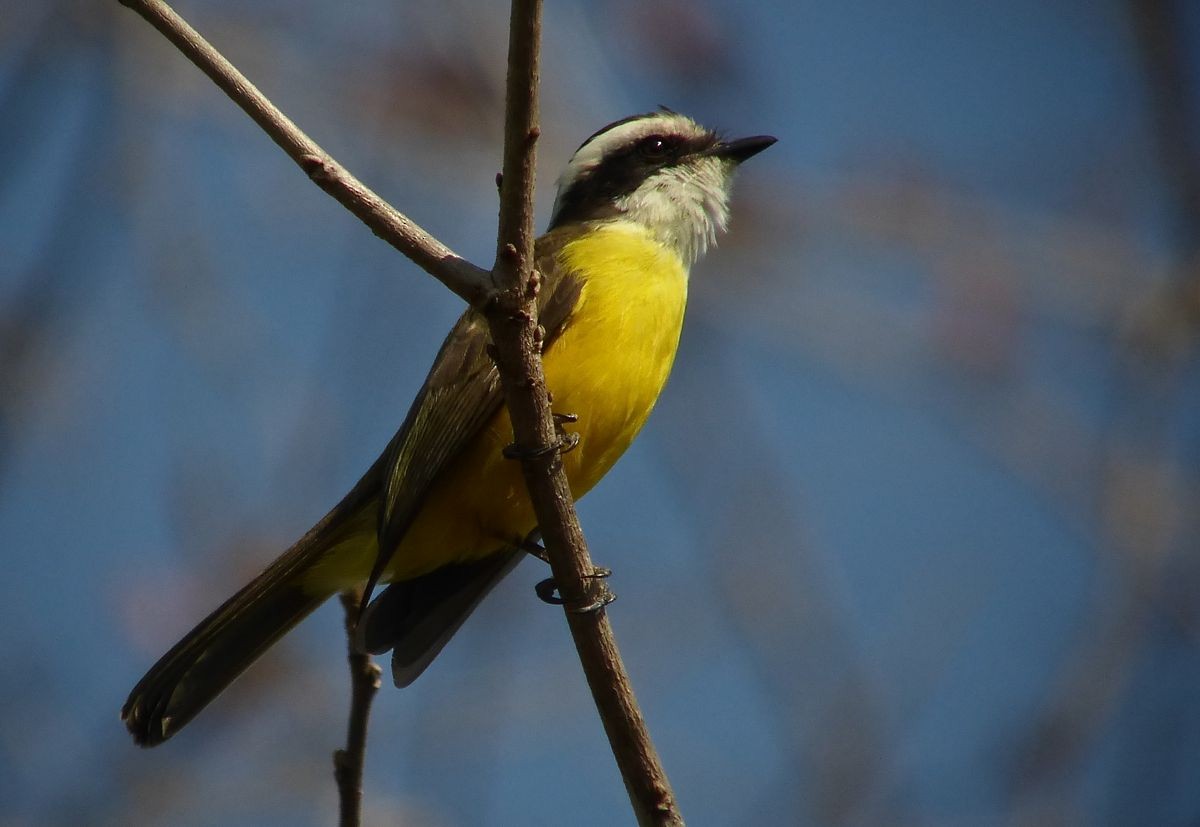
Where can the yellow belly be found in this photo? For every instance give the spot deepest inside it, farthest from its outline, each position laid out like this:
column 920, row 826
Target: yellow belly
column 608, row 367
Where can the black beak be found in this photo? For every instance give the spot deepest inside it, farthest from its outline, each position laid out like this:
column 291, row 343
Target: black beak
column 743, row 148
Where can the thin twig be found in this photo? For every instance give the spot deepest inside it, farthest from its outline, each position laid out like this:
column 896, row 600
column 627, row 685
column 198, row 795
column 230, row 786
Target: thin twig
column 1160, row 27
column 513, row 324
column 461, row 276
column 365, row 680
column 1170, row 320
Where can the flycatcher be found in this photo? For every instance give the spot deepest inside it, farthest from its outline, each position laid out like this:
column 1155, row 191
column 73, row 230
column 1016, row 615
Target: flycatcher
column 442, row 514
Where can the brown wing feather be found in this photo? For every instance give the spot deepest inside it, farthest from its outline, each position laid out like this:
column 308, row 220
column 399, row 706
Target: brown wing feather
column 460, row 395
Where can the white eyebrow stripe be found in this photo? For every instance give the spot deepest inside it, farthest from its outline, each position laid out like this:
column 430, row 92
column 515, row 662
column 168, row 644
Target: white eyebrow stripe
column 589, row 155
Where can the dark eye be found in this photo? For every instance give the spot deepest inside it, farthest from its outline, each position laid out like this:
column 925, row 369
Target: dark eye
column 654, row 147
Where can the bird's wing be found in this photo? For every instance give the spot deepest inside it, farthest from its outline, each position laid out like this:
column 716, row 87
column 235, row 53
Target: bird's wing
column 460, row 395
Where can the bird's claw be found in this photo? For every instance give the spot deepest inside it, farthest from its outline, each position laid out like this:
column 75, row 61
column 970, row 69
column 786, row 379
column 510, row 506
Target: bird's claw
column 547, row 591
column 566, row 442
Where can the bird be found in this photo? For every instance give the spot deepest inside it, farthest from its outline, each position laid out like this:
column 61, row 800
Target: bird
column 442, row 515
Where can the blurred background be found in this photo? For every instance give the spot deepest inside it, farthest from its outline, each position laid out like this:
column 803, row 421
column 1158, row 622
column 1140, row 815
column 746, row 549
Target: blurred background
column 910, row 540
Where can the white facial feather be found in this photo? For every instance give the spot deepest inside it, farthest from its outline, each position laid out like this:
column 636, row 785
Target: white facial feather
column 683, row 206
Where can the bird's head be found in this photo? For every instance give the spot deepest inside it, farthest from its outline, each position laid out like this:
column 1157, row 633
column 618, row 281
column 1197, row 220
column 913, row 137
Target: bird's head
column 661, row 170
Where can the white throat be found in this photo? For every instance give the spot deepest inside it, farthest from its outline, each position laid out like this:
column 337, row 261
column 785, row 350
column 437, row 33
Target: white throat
column 684, row 207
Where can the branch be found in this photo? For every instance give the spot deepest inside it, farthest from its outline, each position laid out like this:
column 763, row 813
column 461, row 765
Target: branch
column 365, row 680
column 1163, row 48
column 512, row 319
column 507, row 297
column 471, row 283
column 1169, row 321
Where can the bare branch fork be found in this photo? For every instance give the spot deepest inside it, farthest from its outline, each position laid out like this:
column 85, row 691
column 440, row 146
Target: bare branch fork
column 506, row 296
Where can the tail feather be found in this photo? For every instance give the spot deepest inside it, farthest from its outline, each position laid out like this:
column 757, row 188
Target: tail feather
column 225, row 643
column 416, row 618
column 208, row 659
column 220, row 648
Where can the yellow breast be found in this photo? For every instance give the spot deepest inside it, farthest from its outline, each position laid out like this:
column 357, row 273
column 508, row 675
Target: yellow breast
column 611, row 362
column 607, row 367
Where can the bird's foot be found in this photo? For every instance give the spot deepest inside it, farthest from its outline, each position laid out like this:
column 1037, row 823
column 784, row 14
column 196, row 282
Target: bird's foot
column 601, row 595
column 566, row 441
